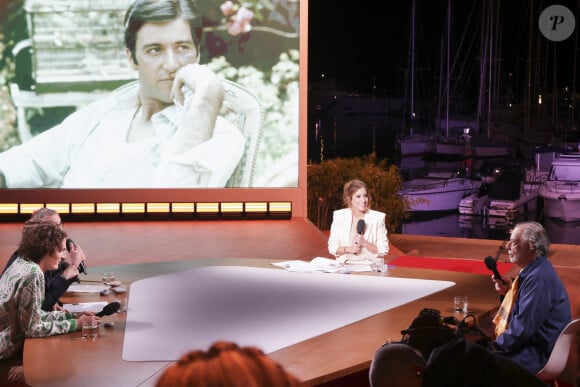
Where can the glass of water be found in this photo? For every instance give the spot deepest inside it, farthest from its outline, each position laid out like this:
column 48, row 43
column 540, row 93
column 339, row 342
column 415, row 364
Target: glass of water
column 90, row 331
column 382, row 269
column 378, row 264
column 460, row 304
column 108, row 277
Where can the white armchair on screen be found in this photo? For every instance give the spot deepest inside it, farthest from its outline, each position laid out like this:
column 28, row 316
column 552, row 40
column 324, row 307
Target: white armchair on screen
column 244, row 110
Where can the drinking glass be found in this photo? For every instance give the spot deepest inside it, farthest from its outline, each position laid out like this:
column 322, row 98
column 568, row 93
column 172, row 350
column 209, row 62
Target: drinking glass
column 460, row 304
column 90, row 330
column 108, row 277
column 124, row 305
column 382, row 269
column 378, row 265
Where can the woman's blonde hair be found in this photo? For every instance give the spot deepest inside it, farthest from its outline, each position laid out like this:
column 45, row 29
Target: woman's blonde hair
column 350, row 189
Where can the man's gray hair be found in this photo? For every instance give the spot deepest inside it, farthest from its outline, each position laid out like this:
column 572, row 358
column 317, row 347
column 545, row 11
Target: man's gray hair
column 535, row 233
column 42, row 213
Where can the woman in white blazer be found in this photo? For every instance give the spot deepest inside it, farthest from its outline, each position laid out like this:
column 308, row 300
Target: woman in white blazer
column 352, row 243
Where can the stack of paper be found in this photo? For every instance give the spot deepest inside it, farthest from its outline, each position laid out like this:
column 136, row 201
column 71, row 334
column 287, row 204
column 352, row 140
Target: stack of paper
column 80, row 307
column 87, row 288
column 326, row 265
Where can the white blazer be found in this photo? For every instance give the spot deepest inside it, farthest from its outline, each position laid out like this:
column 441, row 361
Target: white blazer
column 375, row 232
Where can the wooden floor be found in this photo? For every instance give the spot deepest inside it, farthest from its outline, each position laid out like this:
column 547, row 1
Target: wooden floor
column 125, row 242
column 117, row 242
column 113, row 243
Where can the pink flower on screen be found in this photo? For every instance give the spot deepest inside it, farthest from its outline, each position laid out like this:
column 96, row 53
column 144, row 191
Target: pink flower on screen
column 227, row 8
column 240, row 22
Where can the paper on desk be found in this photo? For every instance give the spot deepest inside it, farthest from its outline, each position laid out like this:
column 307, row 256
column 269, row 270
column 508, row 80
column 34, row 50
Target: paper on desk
column 87, row 288
column 94, row 307
column 358, row 267
column 325, row 265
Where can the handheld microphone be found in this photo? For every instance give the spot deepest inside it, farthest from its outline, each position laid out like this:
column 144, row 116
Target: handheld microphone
column 69, row 244
column 499, row 250
column 82, row 266
column 360, row 226
column 109, row 309
column 491, row 264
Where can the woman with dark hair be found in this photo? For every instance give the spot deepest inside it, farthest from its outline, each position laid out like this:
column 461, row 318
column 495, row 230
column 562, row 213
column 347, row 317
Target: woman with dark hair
column 56, row 281
column 357, row 232
column 227, row 364
column 22, row 290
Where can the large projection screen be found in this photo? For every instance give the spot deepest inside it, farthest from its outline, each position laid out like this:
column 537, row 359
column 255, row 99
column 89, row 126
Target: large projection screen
column 61, row 56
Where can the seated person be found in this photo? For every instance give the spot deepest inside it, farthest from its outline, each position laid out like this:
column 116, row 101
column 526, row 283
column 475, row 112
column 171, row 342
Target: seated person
column 22, row 289
column 457, row 363
column 397, row 364
column 226, row 364
column 56, row 281
column 536, row 307
column 345, row 241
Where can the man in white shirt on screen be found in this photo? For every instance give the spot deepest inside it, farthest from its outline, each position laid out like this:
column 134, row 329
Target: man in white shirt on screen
column 160, row 132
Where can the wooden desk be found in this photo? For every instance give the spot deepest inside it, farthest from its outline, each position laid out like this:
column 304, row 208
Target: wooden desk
column 67, row 360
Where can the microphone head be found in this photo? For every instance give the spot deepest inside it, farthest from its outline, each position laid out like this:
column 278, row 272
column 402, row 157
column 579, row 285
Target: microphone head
column 69, row 244
column 490, row 263
column 109, row 309
column 82, row 268
column 360, row 226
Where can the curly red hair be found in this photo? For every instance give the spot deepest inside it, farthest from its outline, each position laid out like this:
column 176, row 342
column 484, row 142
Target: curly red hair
column 226, row 364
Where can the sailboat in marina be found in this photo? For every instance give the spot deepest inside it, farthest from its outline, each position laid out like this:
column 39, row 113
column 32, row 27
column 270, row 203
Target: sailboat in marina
column 461, row 135
column 561, row 191
column 439, row 190
column 507, row 191
column 436, row 192
column 453, row 133
column 412, row 142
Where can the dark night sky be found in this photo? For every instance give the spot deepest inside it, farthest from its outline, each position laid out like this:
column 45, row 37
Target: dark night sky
column 358, row 45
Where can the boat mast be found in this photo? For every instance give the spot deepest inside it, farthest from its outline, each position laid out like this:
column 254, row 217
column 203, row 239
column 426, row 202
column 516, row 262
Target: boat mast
column 572, row 117
column 448, row 65
column 493, row 65
column 412, row 112
column 490, row 35
column 528, row 99
column 408, row 120
column 489, row 67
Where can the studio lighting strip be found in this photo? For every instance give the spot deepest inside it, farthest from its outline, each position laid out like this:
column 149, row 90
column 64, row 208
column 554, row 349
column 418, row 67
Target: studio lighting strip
column 156, row 210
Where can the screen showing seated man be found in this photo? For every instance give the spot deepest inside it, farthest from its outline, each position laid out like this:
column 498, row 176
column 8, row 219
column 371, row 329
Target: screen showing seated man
column 163, row 94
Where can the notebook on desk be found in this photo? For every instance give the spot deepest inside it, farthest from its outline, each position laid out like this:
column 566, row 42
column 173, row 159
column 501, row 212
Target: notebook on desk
column 80, row 307
column 86, row 288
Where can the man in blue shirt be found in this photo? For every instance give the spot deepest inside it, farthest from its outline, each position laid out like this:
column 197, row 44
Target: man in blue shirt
column 540, row 309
